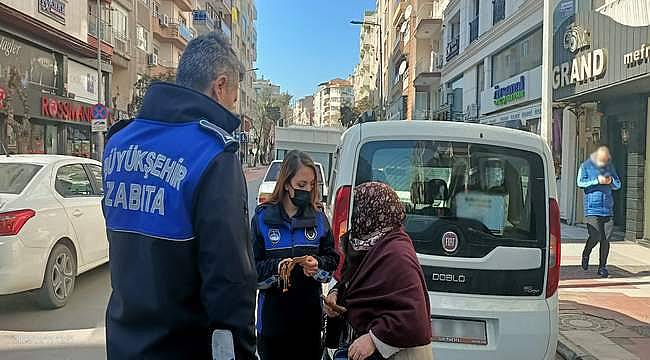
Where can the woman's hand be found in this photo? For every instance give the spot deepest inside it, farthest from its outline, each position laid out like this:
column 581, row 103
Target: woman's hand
column 332, row 309
column 309, row 266
column 362, row 348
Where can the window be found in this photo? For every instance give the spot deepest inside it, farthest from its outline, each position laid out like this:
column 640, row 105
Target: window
column 142, row 38
column 155, row 10
column 491, row 189
column 120, row 22
column 523, row 55
column 96, row 176
column 72, row 181
column 15, row 177
column 498, row 11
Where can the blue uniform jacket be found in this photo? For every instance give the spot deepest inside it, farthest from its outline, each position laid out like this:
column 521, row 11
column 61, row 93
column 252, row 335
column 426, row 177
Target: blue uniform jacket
column 598, row 199
column 176, row 213
column 277, row 237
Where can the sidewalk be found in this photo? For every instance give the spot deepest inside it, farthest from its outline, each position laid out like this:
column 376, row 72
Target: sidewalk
column 254, row 173
column 605, row 319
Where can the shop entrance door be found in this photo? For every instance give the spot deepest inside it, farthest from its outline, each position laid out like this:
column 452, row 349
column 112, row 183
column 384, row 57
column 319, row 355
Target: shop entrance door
column 619, row 157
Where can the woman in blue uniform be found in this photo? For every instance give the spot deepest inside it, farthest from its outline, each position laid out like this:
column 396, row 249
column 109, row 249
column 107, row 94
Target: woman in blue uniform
column 294, row 254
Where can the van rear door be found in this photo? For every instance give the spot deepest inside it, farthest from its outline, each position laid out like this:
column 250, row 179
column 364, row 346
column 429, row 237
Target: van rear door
column 476, row 213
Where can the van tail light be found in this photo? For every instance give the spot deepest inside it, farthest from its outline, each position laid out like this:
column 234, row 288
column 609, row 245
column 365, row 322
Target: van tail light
column 554, row 248
column 340, row 222
column 13, row 221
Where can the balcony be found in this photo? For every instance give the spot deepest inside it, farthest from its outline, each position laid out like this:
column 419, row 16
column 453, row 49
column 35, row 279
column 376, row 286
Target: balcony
column 453, row 48
column 104, row 29
column 473, row 30
column 184, row 5
column 122, row 46
column 429, row 20
column 178, row 34
column 426, row 72
column 202, row 21
column 498, row 11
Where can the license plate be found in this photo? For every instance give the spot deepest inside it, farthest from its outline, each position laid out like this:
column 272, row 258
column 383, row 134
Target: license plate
column 459, row 331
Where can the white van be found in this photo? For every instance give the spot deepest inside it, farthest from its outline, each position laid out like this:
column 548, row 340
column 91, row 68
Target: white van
column 483, row 214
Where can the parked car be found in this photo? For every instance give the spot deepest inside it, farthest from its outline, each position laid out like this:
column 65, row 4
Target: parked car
column 483, row 215
column 268, row 184
column 51, row 224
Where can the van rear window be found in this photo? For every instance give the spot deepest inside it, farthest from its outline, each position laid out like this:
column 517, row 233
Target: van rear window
column 493, row 195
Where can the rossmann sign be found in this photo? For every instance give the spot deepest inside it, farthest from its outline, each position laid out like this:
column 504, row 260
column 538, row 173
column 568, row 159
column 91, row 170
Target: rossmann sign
column 66, row 110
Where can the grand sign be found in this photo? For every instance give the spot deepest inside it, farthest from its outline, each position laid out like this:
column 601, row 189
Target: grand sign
column 585, row 67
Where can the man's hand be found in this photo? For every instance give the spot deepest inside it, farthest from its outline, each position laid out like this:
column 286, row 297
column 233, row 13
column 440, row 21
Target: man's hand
column 604, row 180
column 362, row 348
column 332, row 309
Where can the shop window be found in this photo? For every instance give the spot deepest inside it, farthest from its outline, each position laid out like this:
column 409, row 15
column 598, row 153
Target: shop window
column 72, row 181
column 78, row 141
column 51, row 139
column 523, row 55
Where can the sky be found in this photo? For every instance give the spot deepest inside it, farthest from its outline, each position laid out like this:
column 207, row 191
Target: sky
column 301, row 43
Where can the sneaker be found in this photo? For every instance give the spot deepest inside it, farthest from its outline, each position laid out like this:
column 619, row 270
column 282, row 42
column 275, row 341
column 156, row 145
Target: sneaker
column 603, row 272
column 585, row 263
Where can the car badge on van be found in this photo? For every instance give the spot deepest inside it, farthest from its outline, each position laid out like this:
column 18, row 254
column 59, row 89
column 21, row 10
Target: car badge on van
column 450, row 242
column 310, row 233
column 274, row 236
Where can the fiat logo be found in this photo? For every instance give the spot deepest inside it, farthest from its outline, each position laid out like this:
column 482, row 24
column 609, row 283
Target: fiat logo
column 450, row 241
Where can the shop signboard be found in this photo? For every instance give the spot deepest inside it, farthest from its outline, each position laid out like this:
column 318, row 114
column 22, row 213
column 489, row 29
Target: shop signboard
column 54, row 9
column 35, row 65
column 588, row 53
column 82, row 82
column 522, row 88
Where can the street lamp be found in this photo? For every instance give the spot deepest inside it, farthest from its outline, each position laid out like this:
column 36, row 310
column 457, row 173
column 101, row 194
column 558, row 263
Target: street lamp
column 381, row 62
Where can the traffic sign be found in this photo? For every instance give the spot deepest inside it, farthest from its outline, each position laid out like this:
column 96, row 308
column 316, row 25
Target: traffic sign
column 243, row 137
column 98, row 125
column 100, row 112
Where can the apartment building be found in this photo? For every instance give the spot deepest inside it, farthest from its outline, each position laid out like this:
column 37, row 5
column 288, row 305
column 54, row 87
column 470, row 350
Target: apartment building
column 244, row 41
column 48, row 66
column 365, row 72
column 492, row 70
column 329, row 98
column 412, row 52
column 303, row 111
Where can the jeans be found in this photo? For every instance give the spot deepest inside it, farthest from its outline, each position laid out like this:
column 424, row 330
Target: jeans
column 600, row 230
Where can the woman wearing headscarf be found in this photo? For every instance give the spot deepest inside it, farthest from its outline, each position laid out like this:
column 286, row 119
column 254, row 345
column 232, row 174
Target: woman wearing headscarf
column 294, row 255
column 382, row 293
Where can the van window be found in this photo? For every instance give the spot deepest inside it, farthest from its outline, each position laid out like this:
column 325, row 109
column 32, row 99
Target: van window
column 497, row 193
column 15, row 177
column 274, row 171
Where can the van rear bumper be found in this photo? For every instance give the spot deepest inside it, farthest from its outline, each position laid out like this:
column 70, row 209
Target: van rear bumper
column 517, row 328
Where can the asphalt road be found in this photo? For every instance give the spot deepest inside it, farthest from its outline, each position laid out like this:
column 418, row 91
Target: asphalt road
column 75, row 331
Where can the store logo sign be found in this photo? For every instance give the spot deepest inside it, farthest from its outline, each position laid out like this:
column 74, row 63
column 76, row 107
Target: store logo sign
column 54, row 9
column 576, row 38
column 9, row 47
column 510, row 93
column 66, row 110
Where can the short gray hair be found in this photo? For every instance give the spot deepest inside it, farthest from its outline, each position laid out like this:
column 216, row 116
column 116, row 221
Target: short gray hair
column 204, row 59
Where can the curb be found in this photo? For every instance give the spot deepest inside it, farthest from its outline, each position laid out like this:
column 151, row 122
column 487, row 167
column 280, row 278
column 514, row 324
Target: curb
column 570, row 351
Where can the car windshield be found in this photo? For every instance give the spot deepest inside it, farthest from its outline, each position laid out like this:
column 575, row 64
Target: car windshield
column 485, row 187
column 274, row 171
column 15, row 177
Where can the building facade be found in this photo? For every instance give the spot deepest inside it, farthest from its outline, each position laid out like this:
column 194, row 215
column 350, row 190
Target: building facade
column 493, row 62
column 244, row 42
column 411, row 65
column 303, row 111
column 329, row 99
column 365, row 72
column 601, row 93
column 48, row 76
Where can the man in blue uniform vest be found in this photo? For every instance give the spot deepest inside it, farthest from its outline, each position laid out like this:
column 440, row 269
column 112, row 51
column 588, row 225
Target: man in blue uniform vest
column 176, row 212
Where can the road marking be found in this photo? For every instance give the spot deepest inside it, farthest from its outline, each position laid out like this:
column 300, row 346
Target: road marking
column 11, row 340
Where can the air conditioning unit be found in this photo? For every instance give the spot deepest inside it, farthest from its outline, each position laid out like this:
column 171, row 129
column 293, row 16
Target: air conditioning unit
column 164, row 20
column 152, row 59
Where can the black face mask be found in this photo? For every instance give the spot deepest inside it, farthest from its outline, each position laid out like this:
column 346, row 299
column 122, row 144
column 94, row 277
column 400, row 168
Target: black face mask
column 301, row 198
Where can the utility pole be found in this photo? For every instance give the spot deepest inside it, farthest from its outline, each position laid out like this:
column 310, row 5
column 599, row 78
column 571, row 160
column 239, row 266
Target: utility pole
column 546, row 125
column 100, row 134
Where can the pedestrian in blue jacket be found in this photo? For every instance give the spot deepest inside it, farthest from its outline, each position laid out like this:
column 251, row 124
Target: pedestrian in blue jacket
column 598, row 178
column 294, row 255
column 175, row 204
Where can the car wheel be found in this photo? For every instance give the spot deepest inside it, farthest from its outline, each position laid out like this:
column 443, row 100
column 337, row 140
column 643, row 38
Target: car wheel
column 59, row 280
